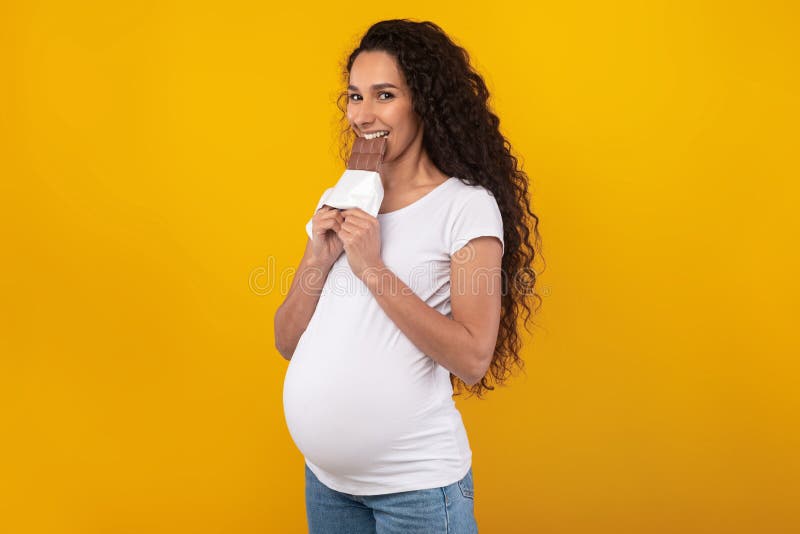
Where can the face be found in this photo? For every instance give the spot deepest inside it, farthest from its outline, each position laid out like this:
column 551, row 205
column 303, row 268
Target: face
column 379, row 99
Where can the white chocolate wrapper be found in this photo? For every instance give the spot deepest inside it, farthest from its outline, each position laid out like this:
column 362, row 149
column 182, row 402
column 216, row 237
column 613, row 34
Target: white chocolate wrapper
column 355, row 189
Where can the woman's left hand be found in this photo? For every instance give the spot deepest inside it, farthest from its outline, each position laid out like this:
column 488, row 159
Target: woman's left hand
column 361, row 234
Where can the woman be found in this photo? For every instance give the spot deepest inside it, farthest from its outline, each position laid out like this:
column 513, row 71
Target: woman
column 387, row 315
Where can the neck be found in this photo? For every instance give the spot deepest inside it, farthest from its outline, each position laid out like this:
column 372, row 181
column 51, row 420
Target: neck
column 413, row 168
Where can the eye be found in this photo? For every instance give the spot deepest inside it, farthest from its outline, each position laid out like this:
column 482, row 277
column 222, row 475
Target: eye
column 352, row 96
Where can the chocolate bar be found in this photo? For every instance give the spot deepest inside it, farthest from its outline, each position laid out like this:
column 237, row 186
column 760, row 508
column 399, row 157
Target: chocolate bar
column 367, row 154
column 360, row 185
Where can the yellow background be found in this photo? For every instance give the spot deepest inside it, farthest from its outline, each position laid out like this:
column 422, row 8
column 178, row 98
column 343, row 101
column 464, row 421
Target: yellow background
column 158, row 163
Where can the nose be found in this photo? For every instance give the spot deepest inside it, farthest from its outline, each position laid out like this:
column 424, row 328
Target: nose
column 362, row 115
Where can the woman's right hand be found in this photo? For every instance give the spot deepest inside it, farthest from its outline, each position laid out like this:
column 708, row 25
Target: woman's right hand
column 326, row 247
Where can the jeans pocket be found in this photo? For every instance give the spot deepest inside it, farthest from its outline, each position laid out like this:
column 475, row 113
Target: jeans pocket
column 466, row 486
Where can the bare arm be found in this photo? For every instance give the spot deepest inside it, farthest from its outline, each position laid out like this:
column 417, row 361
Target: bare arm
column 293, row 316
column 464, row 345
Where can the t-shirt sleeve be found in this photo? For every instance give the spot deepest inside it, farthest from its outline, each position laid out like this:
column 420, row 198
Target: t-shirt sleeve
column 309, row 226
column 479, row 216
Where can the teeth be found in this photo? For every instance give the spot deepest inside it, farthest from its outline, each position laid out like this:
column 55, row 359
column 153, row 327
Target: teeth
column 376, row 134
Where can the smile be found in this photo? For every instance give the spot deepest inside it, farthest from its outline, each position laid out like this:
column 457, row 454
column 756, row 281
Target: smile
column 376, row 134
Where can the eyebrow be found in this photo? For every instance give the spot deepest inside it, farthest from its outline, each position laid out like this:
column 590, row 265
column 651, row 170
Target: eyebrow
column 374, row 86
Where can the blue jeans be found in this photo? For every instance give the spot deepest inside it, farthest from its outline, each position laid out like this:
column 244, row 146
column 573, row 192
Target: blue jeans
column 445, row 510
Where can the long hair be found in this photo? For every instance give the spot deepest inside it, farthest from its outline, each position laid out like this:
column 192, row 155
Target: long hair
column 462, row 138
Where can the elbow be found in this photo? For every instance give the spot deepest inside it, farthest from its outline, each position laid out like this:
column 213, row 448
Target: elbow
column 484, row 361
column 473, row 380
column 283, row 351
column 481, row 353
column 283, row 348
column 280, row 344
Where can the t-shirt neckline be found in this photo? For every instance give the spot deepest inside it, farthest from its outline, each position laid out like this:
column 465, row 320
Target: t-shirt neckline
column 418, row 201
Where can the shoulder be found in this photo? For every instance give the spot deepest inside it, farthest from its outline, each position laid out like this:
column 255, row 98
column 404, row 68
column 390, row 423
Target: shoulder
column 475, row 213
column 465, row 190
column 472, row 196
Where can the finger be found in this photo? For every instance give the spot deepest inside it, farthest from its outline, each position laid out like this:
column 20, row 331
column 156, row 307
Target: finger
column 332, row 215
column 337, row 220
column 360, row 215
column 323, row 225
column 356, row 211
column 351, row 213
column 327, row 210
column 357, row 223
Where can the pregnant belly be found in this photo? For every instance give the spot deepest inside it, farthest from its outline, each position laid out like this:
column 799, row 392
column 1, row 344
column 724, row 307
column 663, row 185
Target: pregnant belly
column 345, row 418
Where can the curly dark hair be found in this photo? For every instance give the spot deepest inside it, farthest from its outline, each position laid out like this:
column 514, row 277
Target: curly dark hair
column 462, row 138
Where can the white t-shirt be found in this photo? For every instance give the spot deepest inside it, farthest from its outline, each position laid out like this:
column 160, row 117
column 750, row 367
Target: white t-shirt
column 369, row 411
